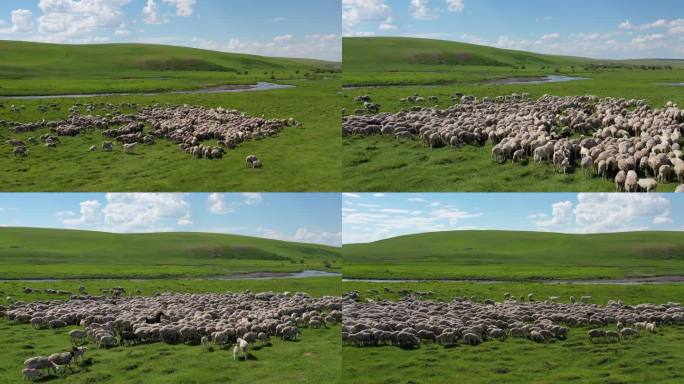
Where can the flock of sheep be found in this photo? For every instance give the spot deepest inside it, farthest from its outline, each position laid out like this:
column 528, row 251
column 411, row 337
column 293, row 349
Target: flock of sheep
column 238, row 319
column 410, row 322
column 626, row 141
column 188, row 126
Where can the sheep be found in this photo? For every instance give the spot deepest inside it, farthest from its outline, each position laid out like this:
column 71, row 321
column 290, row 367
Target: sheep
column 646, row 185
column 77, row 336
column 594, row 333
column 107, row 146
column 41, row 363
column 628, row 332
column 128, row 147
column 679, row 189
column 620, row 181
column 613, row 335
column 472, row 339
column 62, row 358
column 587, row 165
column 79, row 352
column 21, row 151
column 241, row 349
column 92, row 148
column 537, row 337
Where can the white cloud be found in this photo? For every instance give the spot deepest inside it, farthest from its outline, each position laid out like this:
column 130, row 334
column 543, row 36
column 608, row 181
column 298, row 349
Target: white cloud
column 356, row 12
column 561, row 214
column 90, row 214
column 22, row 20
column 77, row 21
column 2, row 22
column 283, row 38
column 378, row 223
column 304, row 235
column 378, row 194
column 252, row 198
column 131, row 212
column 420, row 10
column 387, row 27
column 551, row 36
column 665, row 219
column 152, row 14
column 278, row 19
column 183, row 7
column 416, row 199
column 352, row 195
column 321, row 46
column 218, row 205
column 145, row 212
column 319, row 237
column 455, row 5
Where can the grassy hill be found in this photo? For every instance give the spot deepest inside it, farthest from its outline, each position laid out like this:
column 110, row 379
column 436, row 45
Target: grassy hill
column 388, row 53
column 517, row 255
column 39, row 68
column 42, row 253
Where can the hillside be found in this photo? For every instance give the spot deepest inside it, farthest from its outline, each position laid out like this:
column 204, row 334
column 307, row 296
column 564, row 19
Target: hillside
column 28, row 58
column 518, row 255
column 28, row 68
column 37, row 252
column 395, row 53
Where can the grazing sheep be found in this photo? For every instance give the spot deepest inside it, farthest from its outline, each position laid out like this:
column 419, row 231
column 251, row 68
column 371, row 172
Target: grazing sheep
column 128, row 147
column 92, row 148
column 107, row 146
column 241, row 349
column 62, row 359
column 594, row 333
column 646, row 185
column 472, row 339
column 613, row 335
column 41, row 363
column 628, row 332
column 77, row 336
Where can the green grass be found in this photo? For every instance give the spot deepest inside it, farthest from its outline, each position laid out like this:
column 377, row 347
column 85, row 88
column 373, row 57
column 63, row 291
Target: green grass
column 648, row 359
column 58, row 253
column 313, row 359
column 387, row 74
column 298, row 159
column 514, row 255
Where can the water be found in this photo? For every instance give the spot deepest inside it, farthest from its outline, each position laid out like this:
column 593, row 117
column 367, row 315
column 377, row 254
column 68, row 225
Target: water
column 260, row 86
column 622, row 281
column 238, row 276
column 536, row 80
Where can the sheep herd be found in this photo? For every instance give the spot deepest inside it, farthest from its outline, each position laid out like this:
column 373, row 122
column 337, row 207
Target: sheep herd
column 217, row 319
column 409, row 322
column 188, row 126
column 626, row 141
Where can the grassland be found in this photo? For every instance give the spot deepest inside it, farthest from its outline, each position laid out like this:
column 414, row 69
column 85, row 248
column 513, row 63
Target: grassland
column 388, row 69
column 315, row 358
column 298, row 159
column 513, row 255
column 652, row 359
column 55, row 253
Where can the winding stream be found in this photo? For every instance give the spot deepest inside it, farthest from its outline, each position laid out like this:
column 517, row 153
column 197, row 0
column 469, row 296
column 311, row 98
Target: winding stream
column 260, row 86
column 237, row 276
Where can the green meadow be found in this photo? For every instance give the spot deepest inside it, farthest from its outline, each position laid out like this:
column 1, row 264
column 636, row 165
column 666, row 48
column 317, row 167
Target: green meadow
column 390, row 68
column 653, row 358
column 312, row 359
column 305, row 158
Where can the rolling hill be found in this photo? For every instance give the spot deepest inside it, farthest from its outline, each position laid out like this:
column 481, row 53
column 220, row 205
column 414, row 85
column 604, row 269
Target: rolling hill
column 26, row 58
column 40, row 253
column 393, row 53
column 28, row 68
column 517, row 255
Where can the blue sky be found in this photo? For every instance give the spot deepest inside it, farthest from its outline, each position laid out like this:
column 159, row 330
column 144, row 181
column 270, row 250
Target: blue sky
column 303, row 217
column 296, row 28
column 374, row 216
column 601, row 29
